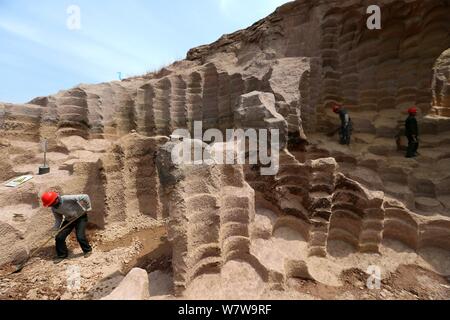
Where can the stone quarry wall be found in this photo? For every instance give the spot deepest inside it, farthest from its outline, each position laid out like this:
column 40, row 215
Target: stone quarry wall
column 6, row 170
column 387, row 68
column 211, row 208
column 441, row 85
column 282, row 72
column 323, row 48
column 130, row 179
column 212, row 215
column 367, row 70
column 158, row 107
column 329, row 206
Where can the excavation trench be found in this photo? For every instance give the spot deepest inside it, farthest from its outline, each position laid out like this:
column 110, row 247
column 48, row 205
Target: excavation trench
column 155, row 250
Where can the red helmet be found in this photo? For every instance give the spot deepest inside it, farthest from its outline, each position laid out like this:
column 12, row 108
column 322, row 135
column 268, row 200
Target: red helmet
column 49, row 198
column 336, row 108
column 412, row 110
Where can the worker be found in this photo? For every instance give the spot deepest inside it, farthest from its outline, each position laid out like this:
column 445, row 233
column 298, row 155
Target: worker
column 345, row 131
column 412, row 133
column 73, row 209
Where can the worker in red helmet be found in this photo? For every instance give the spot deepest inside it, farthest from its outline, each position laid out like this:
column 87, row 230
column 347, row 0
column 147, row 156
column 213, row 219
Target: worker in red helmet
column 70, row 209
column 345, row 131
column 412, row 133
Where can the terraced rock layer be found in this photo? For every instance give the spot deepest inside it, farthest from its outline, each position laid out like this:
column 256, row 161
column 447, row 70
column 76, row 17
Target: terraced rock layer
column 110, row 140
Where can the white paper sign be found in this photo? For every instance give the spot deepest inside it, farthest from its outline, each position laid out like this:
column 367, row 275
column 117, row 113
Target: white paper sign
column 18, row 181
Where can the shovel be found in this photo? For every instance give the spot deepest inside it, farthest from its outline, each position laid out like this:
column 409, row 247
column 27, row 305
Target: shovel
column 23, row 264
column 86, row 208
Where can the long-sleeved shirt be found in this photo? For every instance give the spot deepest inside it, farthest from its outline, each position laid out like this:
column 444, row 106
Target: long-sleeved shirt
column 411, row 127
column 71, row 208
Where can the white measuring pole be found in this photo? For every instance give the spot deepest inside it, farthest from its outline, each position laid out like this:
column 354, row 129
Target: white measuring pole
column 45, row 145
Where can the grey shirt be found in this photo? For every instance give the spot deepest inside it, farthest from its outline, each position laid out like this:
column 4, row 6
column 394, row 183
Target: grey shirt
column 345, row 118
column 71, row 208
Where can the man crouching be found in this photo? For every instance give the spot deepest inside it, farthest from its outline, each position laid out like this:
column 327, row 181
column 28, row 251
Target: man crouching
column 73, row 208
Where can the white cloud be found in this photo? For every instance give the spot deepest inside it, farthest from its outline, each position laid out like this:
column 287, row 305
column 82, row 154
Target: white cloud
column 99, row 58
column 21, row 30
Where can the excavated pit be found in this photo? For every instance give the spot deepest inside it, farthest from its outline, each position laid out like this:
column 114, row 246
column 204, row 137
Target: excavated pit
column 312, row 230
column 155, row 250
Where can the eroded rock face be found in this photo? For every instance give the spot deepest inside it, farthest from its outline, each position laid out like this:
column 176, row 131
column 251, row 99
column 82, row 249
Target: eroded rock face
column 14, row 249
column 213, row 219
column 325, row 49
column 6, row 171
column 130, row 180
column 308, row 56
column 441, row 85
column 111, row 140
column 210, row 210
column 256, row 110
column 350, row 63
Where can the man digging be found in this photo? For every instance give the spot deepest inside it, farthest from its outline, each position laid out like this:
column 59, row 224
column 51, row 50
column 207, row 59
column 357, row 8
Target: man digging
column 412, row 133
column 73, row 209
column 346, row 128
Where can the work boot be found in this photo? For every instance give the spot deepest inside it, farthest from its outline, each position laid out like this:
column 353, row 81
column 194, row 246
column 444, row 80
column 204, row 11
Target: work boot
column 87, row 254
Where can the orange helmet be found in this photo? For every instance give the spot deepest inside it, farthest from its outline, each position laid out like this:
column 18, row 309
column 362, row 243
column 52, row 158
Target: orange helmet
column 336, row 108
column 49, row 199
column 412, row 110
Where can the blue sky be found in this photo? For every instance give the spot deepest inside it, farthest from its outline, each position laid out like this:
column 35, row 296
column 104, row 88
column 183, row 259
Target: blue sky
column 40, row 54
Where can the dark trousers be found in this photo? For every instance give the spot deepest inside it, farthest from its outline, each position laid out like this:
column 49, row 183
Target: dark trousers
column 413, row 146
column 80, row 228
column 345, row 135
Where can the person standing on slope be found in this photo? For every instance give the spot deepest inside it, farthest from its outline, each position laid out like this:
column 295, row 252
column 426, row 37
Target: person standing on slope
column 412, row 133
column 345, row 131
column 73, row 210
